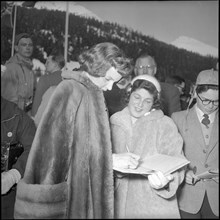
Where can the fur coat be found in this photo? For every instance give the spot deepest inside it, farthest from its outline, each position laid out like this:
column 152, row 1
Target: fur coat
column 69, row 168
column 151, row 134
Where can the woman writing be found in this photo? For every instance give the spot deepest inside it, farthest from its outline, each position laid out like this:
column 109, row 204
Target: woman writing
column 139, row 130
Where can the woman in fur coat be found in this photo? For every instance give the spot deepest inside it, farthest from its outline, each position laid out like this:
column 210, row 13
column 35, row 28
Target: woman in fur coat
column 69, row 170
column 141, row 129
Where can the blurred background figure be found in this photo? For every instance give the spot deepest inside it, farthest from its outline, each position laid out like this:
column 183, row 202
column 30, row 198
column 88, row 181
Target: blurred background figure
column 54, row 64
column 187, row 99
column 178, row 82
column 17, row 82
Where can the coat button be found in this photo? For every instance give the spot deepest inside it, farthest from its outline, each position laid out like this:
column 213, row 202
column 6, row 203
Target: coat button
column 9, row 134
column 207, row 136
column 204, row 151
column 206, row 165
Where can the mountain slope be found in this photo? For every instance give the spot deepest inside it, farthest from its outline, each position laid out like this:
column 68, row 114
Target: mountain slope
column 74, row 8
column 193, row 45
column 184, row 42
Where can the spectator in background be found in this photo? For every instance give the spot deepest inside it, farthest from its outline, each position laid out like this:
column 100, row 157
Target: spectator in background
column 170, row 97
column 17, row 130
column 187, row 100
column 55, row 62
column 70, row 163
column 199, row 198
column 17, row 82
column 180, row 84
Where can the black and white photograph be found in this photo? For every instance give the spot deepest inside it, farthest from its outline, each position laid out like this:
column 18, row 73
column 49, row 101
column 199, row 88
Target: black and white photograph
column 110, row 109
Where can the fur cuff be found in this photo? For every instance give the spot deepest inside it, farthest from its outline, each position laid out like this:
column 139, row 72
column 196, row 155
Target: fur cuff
column 40, row 201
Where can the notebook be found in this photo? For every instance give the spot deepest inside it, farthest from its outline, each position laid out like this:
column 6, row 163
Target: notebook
column 158, row 162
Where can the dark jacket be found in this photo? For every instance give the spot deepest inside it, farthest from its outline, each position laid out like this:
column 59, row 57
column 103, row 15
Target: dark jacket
column 69, row 169
column 44, row 83
column 170, row 98
column 17, row 126
column 115, row 99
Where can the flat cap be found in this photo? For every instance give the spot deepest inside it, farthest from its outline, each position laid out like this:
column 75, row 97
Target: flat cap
column 22, row 35
column 207, row 77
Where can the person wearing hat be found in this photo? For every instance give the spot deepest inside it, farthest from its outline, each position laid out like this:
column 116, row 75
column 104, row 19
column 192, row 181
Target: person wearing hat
column 199, row 197
column 17, row 82
column 141, row 129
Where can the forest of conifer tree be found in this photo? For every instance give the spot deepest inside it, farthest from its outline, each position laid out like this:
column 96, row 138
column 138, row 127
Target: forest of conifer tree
column 48, row 30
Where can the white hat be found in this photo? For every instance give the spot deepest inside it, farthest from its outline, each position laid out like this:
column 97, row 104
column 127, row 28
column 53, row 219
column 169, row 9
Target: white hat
column 149, row 78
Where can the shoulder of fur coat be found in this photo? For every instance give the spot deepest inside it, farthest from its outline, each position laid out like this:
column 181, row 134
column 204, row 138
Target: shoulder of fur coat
column 124, row 118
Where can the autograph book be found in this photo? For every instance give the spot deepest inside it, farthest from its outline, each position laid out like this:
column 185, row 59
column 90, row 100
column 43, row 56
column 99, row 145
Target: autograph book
column 158, row 162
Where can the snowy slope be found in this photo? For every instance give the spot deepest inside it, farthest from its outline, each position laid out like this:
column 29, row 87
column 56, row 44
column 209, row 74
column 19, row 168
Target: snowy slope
column 194, row 45
column 73, row 8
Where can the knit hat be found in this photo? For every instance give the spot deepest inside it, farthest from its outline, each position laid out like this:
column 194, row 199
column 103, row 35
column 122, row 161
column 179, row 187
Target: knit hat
column 19, row 36
column 207, row 77
column 149, row 78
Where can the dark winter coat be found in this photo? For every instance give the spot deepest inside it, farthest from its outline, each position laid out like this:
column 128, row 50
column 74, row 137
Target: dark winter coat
column 16, row 127
column 44, row 83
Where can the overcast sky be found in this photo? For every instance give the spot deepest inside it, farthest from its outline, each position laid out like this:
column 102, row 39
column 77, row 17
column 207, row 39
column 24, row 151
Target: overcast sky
column 164, row 20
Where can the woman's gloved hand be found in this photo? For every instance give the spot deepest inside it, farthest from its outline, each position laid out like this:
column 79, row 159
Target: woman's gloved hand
column 157, row 180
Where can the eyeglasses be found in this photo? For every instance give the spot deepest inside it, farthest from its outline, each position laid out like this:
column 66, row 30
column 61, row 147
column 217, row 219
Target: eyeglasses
column 145, row 67
column 207, row 101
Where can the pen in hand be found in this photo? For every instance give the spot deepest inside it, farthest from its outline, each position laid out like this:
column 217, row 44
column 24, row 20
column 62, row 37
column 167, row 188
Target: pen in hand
column 127, row 148
column 194, row 180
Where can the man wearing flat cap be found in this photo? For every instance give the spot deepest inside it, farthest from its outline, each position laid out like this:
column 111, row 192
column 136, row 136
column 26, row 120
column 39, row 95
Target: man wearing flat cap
column 17, row 82
column 199, row 195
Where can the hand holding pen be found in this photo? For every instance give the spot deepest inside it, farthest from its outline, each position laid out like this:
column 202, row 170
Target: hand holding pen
column 126, row 160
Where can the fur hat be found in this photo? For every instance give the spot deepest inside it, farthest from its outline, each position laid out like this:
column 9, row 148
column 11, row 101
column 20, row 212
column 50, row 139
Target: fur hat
column 207, row 77
column 149, row 78
column 22, row 35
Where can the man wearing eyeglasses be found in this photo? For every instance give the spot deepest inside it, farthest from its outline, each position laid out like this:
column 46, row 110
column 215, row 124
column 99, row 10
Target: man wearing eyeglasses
column 199, row 196
column 170, row 96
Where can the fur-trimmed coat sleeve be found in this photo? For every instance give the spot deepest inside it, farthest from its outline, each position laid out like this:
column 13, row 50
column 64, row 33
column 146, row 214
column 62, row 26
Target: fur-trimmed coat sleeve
column 69, row 169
